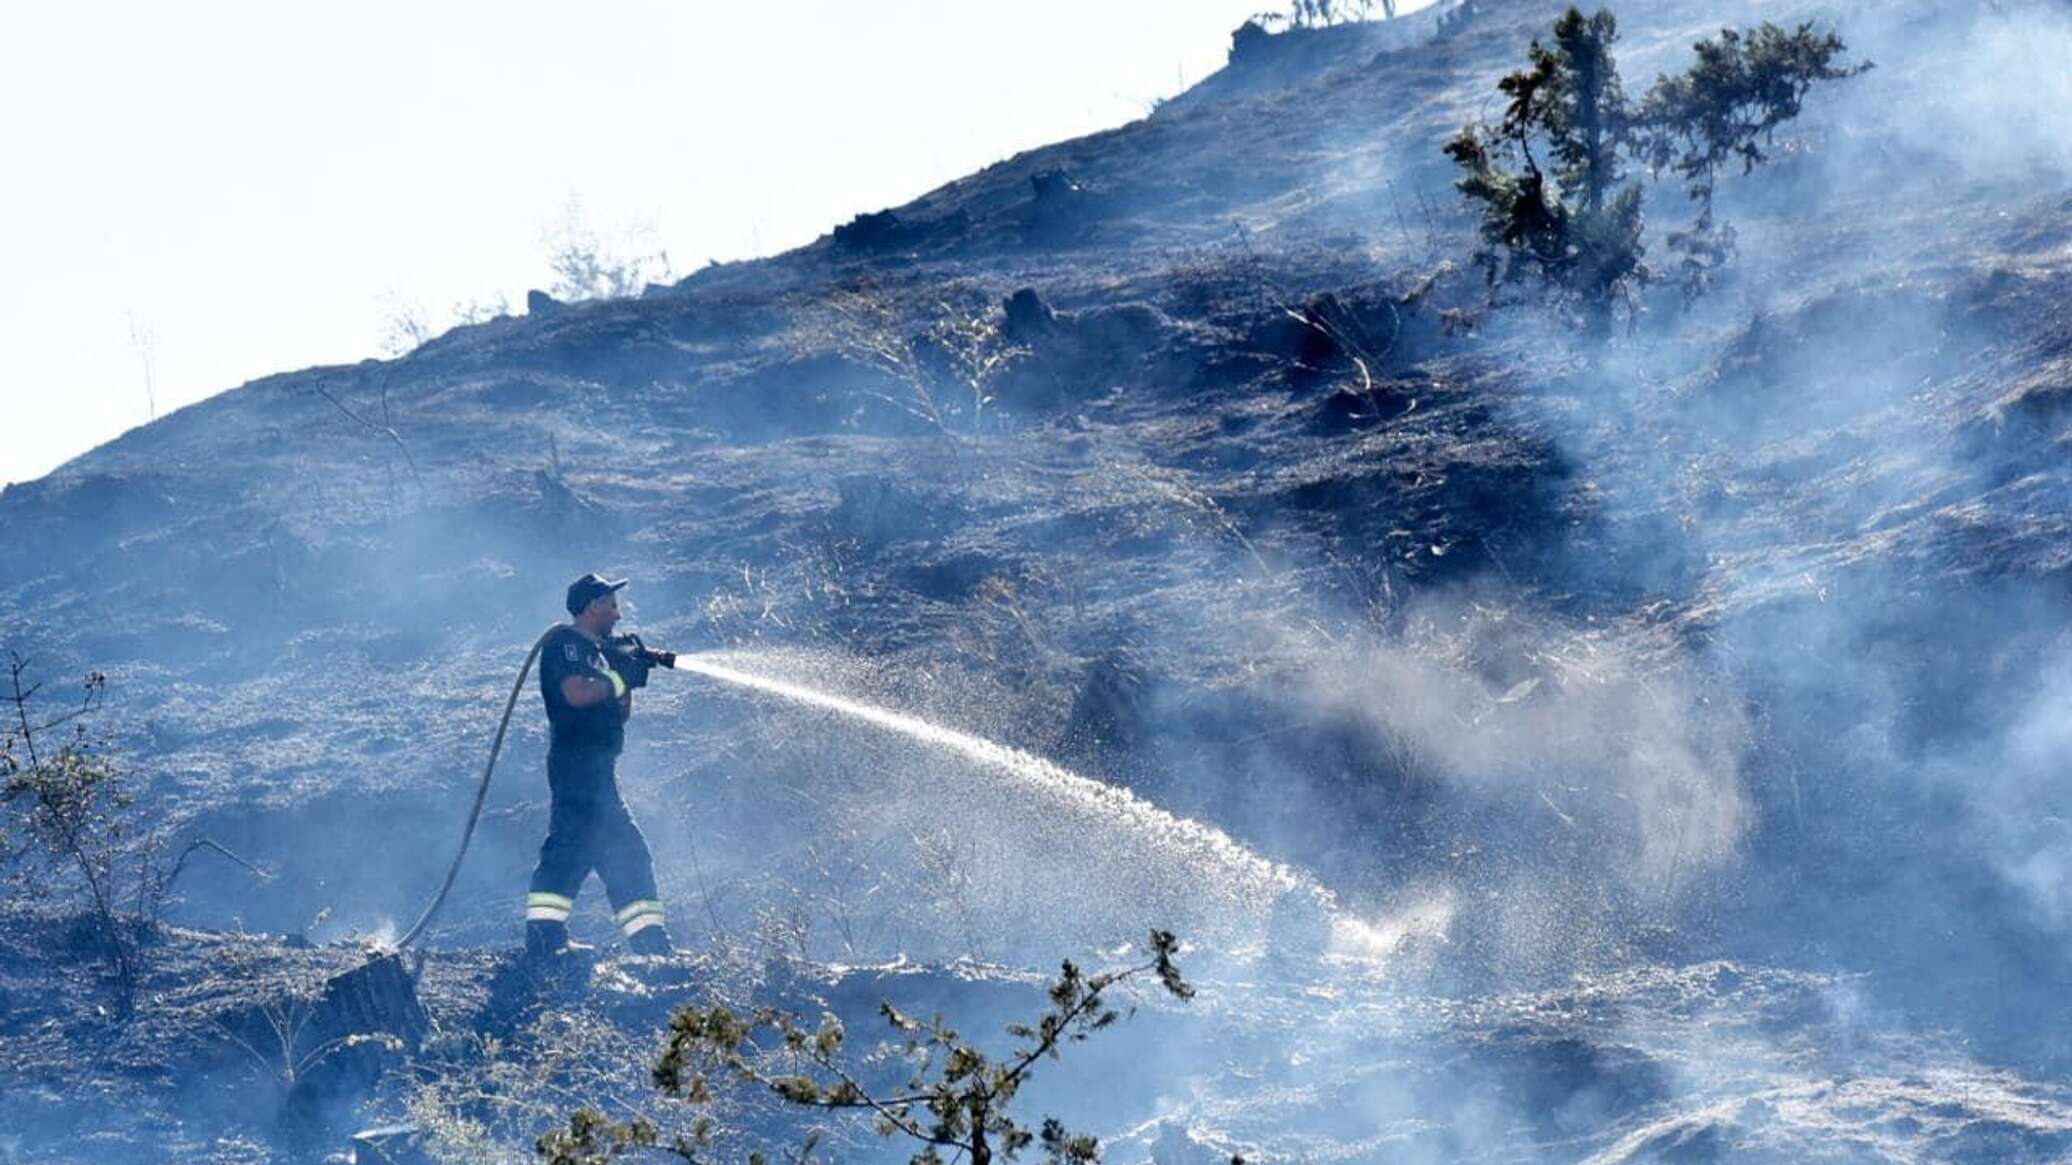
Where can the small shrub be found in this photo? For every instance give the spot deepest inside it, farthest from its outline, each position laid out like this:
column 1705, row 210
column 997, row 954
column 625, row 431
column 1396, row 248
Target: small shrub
column 1323, row 13
column 477, row 1098
column 973, row 353
column 281, row 1041
column 957, row 1099
column 585, row 267
column 957, row 348
column 68, row 811
column 407, row 326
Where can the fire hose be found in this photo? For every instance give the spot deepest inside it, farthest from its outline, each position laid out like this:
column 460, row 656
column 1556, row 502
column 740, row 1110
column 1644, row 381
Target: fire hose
column 630, row 643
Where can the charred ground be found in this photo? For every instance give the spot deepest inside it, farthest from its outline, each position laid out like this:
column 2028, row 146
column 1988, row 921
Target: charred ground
column 1736, row 640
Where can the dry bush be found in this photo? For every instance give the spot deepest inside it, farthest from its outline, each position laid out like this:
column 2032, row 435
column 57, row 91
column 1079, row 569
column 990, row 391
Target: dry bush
column 955, row 1103
column 67, row 815
column 283, row 1045
column 947, row 359
column 476, row 1098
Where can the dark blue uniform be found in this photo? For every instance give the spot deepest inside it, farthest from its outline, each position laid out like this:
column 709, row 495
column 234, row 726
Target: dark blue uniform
column 590, row 827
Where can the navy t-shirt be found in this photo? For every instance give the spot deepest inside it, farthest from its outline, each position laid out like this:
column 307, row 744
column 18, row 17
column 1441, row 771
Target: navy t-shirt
column 568, row 652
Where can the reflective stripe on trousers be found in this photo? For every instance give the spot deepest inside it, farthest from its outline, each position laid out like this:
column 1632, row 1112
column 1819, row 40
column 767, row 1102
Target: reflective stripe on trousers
column 591, row 829
column 544, row 907
column 635, row 917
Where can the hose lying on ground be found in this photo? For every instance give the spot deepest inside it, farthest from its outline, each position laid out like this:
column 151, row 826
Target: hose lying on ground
column 467, row 834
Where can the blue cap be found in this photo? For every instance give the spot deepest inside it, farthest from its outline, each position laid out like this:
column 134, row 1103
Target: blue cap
column 588, row 589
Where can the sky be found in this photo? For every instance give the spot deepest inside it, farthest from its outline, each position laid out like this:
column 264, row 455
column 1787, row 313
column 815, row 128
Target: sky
column 206, row 193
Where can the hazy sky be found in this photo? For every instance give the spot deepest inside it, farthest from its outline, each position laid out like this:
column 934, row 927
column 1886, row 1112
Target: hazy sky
column 200, row 194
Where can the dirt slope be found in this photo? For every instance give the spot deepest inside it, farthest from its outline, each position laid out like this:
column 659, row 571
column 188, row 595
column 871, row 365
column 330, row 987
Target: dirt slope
column 1740, row 639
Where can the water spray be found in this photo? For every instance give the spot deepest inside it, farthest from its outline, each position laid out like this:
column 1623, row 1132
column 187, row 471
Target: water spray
column 1205, row 841
column 1256, row 879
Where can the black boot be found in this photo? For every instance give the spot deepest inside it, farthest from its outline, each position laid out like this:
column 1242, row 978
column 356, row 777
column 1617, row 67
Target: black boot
column 652, row 940
column 546, row 939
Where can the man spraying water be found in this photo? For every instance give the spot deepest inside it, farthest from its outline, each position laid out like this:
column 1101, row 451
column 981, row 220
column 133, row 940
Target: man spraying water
column 587, row 680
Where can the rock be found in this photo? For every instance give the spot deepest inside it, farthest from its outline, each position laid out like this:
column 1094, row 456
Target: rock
column 953, row 578
column 1059, row 207
column 1247, row 42
column 1111, row 711
column 539, row 303
column 870, row 230
column 882, row 230
column 1121, row 328
column 1325, row 335
column 1054, row 186
column 1028, row 318
column 877, row 510
column 1300, row 337
column 1079, row 353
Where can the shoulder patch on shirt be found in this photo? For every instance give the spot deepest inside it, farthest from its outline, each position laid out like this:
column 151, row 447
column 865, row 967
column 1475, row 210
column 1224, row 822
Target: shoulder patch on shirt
column 569, row 650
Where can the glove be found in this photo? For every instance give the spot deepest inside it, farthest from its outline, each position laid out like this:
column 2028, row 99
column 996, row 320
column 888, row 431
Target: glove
column 630, row 666
column 633, row 660
column 631, row 646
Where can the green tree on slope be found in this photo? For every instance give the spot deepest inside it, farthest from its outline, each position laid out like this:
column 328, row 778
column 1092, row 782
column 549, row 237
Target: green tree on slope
column 1726, row 108
column 1556, row 203
column 1551, row 176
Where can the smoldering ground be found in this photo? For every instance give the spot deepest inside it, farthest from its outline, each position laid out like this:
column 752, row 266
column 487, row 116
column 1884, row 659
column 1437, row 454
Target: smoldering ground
column 1674, row 710
column 1827, row 458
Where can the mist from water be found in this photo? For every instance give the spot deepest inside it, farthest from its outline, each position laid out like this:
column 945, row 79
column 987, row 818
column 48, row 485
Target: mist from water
column 1087, row 862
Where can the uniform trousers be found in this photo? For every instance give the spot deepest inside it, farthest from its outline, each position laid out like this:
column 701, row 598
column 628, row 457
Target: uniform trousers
column 590, row 828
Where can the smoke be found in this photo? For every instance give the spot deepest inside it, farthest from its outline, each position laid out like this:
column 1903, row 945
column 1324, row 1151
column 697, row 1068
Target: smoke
column 1779, row 676
column 1979, row 87
column 2011, row 782
column 1505, row 700
column 1861, row 675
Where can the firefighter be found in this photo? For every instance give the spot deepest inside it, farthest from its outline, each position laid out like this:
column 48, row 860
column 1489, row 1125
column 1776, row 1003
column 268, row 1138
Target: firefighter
column 587, row 680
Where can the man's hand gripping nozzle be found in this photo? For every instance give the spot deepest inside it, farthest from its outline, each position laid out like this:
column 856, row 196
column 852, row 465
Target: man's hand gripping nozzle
column 638, row 658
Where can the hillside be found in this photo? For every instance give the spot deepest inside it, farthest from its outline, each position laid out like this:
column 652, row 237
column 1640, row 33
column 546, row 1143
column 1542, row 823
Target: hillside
column 1566, row 678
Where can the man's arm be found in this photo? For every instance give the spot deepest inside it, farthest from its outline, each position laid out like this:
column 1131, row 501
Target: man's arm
column 581, row 676
column 584, row 691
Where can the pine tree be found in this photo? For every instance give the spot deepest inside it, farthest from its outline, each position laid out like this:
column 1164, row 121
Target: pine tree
column 1556, row 203
column 1728, row 107
column 1551, row 175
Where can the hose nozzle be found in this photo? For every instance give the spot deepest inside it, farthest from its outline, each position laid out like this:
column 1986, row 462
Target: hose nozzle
column 630, row 644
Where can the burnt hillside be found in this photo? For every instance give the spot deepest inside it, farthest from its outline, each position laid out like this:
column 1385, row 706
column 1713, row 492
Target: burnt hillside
column 1191, row 457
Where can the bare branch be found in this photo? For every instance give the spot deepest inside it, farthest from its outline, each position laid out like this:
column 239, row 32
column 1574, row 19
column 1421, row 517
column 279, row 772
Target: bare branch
column 180, row 863
column 376, row 427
